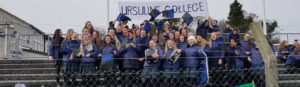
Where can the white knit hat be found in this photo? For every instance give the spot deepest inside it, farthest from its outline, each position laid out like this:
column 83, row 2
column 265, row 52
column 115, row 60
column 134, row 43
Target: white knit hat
column 167, row 22
column 192, row 38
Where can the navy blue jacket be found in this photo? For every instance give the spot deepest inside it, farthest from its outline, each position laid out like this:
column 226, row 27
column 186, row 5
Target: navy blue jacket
column 192, row 56
column 220, row 41
column 119, row 36
column 75, row 44
column 166, row 64
column 233, row 60
column 181, row 45
column 214, row 54
column 291, row 49
column 142, row 44
column 131, row 56
column 292, row 59
column 122, row 38
column 279, row 52
column 256, row 59
column 54, row 52
column 227, row 30
column 202, row 29
column 108, row 49
column 215, row 28
column 244, row 48
column 93, row 53
column 234, row 36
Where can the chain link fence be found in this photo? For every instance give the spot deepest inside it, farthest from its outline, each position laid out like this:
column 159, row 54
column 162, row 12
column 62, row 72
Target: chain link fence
column 34, row 73
column 42, row 73
column 33, row 70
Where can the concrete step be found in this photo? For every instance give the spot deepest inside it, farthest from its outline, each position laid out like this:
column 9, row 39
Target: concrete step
column 281, row 66
column 4, row 77
column 24, row 61
column 289, row 77
column 33, row 65
column 28, row 71
column 29, row 83
column 289, row 83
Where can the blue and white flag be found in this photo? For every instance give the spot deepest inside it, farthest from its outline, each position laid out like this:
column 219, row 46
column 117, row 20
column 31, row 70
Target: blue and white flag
column 204, row 75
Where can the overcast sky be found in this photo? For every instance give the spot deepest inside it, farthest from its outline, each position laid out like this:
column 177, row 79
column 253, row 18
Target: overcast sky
column 48, row 15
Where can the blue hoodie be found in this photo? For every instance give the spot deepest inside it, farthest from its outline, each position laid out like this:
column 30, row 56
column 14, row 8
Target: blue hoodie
column 167, row 65
column 256, row 59
column 160, row 53
column 75, row 44
column 192, row 56
column 131, row 56
column 54, row 52
column 93, row 53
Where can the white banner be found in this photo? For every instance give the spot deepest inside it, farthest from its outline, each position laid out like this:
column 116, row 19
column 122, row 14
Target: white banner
column 141, row 9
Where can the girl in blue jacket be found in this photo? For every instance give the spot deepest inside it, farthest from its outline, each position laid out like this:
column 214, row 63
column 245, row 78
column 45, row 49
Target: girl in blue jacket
column 150, row 70
column 88, row 53
column 257, row 66
column 142, row 44
column 182, row 42
column 293, row 60
column 233, row 59
column 283, row 50
column 246, row 46
column 245, row 52
column 215, row 59
column 55, row 53
column 108, row 63
column 171, row 71
column 130, row 60
column 234, row 63
column 192, row 61
column 71, row 63
column 215, row 53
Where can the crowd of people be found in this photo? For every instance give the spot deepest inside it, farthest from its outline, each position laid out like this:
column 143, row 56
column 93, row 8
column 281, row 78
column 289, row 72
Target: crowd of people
column 131, row 51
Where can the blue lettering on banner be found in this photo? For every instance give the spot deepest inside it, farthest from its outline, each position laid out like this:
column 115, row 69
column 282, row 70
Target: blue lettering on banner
column 183, row 8
column 201, row 6
column 134, row 8
column 189, row 6
column 178, row 8
column 129, row 10
column 143, row 10
column 194, row 8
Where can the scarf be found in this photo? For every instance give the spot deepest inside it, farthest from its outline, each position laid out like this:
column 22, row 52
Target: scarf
column 88, row 46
